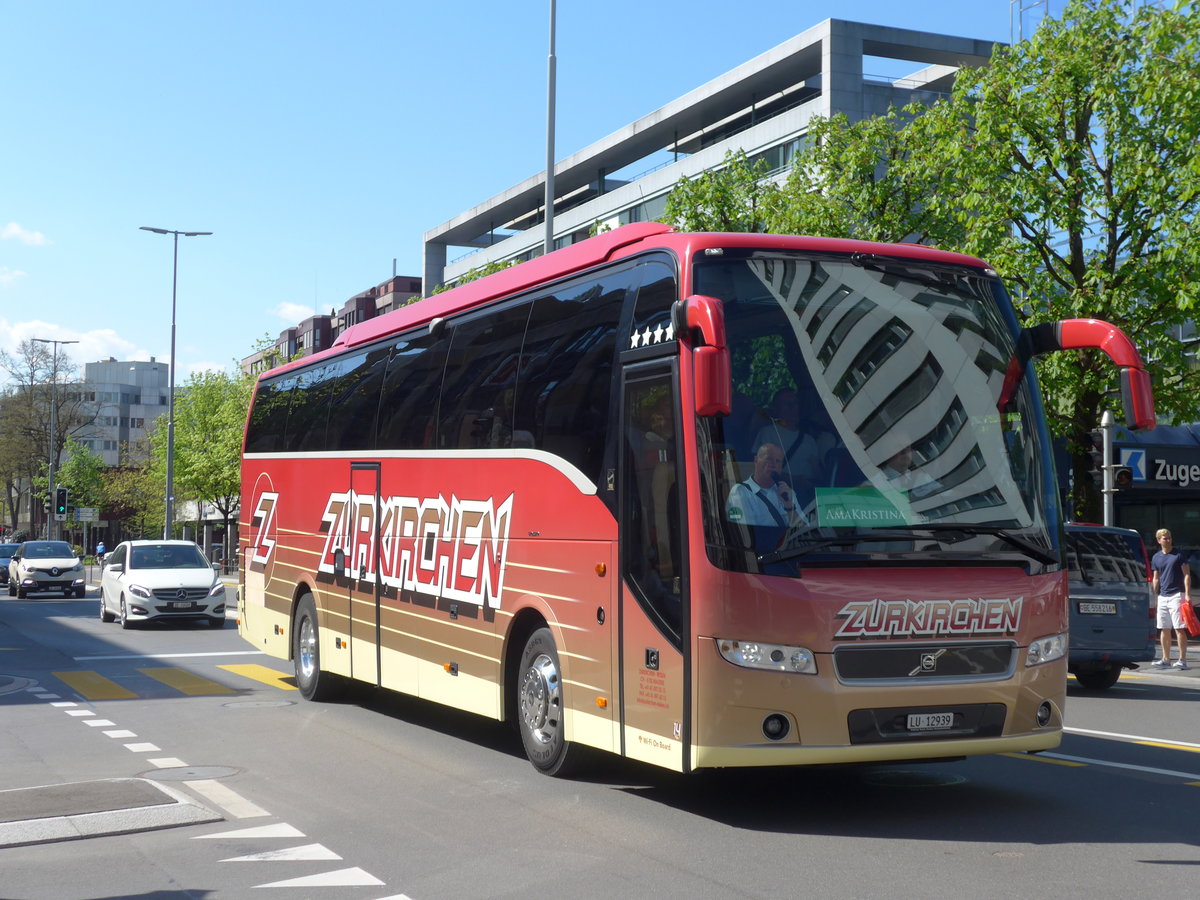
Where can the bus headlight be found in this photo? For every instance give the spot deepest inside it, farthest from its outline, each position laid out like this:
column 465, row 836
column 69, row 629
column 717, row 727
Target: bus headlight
column 775, row 657
column 1046, row 649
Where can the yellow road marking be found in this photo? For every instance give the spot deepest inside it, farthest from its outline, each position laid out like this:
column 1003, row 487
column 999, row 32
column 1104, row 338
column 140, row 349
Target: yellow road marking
column 94, row 686
column 281, row 680
column 186, row 682
column 1170, row 745
column 1042, row 759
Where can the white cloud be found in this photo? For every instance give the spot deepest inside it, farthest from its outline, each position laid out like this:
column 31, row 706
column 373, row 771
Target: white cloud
column 14, row 232
column 89, row 346
column 9, row 277
column 293, row 313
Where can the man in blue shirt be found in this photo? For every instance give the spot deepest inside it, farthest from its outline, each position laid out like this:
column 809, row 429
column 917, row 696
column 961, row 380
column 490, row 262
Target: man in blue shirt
column 1173, row 585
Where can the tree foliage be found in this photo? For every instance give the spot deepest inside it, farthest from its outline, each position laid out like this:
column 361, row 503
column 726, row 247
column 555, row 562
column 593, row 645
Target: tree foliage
column 1071, row 163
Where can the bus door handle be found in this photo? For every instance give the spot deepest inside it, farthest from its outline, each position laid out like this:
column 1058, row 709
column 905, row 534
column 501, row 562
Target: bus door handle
column 362, row 572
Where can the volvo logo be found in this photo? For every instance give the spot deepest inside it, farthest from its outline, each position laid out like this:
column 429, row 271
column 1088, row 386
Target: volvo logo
column 928, row 664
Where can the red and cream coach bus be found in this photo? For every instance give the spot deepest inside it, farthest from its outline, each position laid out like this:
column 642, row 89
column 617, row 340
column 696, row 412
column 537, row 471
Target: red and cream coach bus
column 696, row 499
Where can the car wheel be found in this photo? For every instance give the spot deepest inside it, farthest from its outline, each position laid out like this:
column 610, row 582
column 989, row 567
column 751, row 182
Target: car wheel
column 105, row 615
column 306, row 653
column 125, row 621
column 12, row 589
column 1099, row 679
column 81, row 591
column 22, row 593
column 216, row 621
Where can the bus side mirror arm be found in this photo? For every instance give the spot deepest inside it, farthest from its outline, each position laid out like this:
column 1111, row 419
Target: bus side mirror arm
column 699, row 322
column 1137, row 395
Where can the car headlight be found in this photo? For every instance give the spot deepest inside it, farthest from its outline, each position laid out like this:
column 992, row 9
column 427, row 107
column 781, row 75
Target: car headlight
column 1046, row 649
column 138, row 591
column 776, row 657
column 78, row 567
column 217, row 590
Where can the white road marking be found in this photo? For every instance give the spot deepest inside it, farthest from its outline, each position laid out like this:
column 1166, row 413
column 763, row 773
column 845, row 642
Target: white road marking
column 121, row 733
column 99, row 723
column 341, row 878
column 306, row 853
column 1171, row 773
column 230, row 801
column 167, row 762
column 173, row 655
column 80, row 712
column 282, row 830
column 142, row 748
column 1132, row 737
column 62, row 704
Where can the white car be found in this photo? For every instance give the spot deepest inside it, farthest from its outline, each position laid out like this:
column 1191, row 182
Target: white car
column 45, row 566
column 144, row 580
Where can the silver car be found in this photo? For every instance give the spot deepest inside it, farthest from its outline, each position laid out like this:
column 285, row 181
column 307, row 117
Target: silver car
column 40, row 566
column 157, row 580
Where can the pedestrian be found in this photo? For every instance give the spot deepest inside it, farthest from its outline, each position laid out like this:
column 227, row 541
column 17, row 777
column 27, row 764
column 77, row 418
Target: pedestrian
column 1173, row 584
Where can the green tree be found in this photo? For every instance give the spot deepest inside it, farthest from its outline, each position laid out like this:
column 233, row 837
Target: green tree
column 1077, row 158
column 82, row 474
column 134, row 496
column 735, row 197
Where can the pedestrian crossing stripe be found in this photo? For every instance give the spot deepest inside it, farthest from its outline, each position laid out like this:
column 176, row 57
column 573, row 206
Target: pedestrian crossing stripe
column 186, row 682
column 94, row 686
column 266, row 675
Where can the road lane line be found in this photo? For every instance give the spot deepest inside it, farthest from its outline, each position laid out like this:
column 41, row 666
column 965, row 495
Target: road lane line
column 172, row 655
column 187, row 682
column 1137, row 739
column 1172, row 773
column 255, row 672
column 1042, row 758
column 306, row 853
column 230, row 801
column 94, row 686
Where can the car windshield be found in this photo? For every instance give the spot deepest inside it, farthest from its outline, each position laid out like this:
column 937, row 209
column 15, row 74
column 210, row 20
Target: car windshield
column 48, row 550
column 881, row 412
column 167, row 556
column 7, row 550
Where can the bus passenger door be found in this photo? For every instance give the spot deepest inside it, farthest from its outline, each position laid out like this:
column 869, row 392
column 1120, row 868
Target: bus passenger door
column 362, row 570
column 654, row 607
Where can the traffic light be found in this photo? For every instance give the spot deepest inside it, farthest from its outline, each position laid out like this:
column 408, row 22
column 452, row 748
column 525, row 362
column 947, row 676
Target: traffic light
column 60, row 502
column 1096, row 455
column 1122, row 476
column 46, row 502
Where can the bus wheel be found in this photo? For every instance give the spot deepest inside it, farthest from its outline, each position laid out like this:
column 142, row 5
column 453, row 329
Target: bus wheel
column 306, row 652
column 1099, row 679
column 540, row 706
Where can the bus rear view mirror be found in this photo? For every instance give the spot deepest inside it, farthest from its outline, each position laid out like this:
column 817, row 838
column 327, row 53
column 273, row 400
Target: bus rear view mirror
column 703, row 329
column 1080, row 334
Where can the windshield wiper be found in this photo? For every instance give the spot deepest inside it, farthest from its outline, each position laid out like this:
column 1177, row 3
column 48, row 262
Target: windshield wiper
column 820, row 543
column 1030, row 549
column 947, row 533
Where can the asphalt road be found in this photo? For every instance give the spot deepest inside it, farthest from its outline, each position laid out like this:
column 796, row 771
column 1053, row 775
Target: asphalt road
column 226, row 783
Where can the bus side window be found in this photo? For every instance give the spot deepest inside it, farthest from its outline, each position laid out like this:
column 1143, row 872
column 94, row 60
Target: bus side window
column 476, row 409
column 564, row 389
column 409, row 402
column 353, row 401
column 268, row 424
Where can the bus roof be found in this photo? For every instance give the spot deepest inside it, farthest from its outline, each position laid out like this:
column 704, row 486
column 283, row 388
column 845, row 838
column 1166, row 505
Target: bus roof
column 611, row 245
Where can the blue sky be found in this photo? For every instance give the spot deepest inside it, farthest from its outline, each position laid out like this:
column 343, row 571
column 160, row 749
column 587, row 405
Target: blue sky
column 317, row 141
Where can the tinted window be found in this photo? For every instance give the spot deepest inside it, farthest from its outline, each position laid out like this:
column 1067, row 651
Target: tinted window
column 268, row 420
column 1098, row 557
column 408, row 408
column 308, row 410
column 478, row 392
column 564, row 390
column 353, row 398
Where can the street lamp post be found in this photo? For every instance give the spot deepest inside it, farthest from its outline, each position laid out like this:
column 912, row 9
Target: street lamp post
column 170, row 500
column 51, row 529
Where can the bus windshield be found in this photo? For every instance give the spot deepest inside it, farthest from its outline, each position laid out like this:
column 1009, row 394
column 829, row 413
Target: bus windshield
column 877, row 418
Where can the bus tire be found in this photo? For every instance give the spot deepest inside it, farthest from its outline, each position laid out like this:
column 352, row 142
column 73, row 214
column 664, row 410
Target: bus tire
column 540, row 706
column 306, row 654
